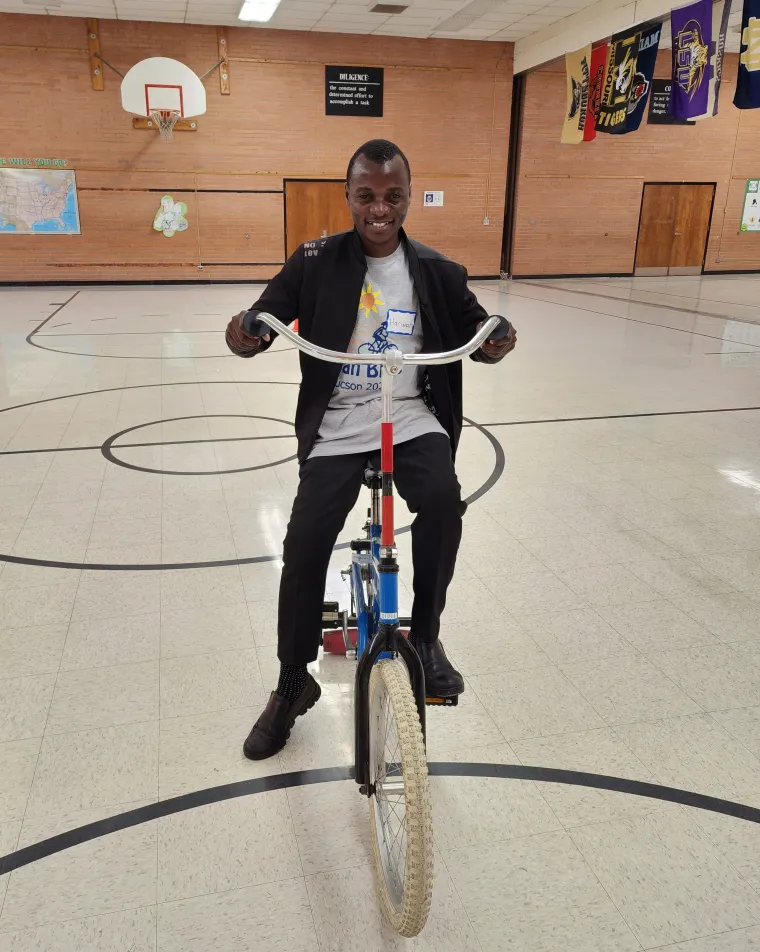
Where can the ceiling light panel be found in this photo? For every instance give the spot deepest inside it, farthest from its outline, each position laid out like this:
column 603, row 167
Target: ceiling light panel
column 258, row 11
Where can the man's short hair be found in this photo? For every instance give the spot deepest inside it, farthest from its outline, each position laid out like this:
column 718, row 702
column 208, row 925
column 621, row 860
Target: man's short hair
column 380, row 151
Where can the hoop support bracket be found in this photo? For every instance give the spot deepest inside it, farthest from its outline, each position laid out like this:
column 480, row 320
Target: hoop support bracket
column 183, row 125
column 224, row 63
column 93, row 46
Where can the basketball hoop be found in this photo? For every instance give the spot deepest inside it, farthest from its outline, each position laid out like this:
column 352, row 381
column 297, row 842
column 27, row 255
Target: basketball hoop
column 162, row 91
column 165, row 120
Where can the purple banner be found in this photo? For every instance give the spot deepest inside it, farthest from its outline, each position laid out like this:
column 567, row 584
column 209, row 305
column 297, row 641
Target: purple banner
column 691, row 29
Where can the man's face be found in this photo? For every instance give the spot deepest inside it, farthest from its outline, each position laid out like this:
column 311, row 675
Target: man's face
column 378, row 199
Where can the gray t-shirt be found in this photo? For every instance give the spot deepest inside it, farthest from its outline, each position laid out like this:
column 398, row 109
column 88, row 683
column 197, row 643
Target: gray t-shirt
column 388, row 316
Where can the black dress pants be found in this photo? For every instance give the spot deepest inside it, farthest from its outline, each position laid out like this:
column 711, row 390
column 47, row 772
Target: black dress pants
column 328, row 490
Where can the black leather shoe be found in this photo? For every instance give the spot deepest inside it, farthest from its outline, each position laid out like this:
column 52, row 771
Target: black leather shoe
column 441, row 677
column 270, row 732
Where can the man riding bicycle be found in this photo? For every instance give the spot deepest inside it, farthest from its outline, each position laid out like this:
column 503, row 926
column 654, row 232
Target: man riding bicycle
column 411, row 298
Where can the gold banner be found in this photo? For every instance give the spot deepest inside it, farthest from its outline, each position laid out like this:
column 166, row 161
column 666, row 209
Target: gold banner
column 577, row 70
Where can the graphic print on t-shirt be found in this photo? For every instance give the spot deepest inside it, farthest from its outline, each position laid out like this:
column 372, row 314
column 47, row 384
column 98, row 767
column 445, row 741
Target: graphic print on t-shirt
column 377, row 328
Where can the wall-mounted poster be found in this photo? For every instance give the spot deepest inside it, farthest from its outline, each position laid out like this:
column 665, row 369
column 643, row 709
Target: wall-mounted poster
column 170, row 217
column 659, row 105
column 751, row 210
column 38, row 202
column 353, row 91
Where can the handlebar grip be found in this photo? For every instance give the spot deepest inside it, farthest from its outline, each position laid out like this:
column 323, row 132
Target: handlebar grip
column 501, row 330
column 254, row 327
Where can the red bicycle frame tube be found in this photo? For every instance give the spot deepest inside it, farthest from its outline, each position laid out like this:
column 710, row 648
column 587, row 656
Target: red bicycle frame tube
column 386, row 459
column 386, row 468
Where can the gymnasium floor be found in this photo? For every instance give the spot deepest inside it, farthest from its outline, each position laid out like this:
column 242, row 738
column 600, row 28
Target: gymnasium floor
column 606, row 614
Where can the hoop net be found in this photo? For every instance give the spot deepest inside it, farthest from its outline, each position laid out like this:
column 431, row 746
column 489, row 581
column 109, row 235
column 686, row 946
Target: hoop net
column 166, row 120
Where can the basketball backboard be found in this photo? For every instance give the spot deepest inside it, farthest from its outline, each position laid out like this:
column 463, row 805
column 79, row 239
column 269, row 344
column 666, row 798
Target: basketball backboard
column 163, row 85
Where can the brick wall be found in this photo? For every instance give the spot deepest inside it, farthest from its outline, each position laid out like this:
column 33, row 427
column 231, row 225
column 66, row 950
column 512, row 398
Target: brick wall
column 578, row 206
column 446, row 104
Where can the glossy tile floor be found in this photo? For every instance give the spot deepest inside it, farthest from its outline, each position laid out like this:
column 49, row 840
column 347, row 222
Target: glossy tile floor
column 606, row 614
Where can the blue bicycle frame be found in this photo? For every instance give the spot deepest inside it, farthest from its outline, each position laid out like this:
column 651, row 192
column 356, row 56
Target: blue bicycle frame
column 375, row 567
column 375, row 594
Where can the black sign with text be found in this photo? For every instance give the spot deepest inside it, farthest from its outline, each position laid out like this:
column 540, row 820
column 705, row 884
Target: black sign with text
column 353, row 91
column 659, row 97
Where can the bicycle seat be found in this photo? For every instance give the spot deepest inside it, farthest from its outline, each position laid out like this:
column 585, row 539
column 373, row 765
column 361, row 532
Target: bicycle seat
column 371, row 476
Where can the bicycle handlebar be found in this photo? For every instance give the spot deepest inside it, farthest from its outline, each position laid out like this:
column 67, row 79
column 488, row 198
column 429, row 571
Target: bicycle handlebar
column 257, row 323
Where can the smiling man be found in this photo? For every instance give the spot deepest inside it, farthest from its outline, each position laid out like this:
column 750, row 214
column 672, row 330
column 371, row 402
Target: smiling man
column 362, row 292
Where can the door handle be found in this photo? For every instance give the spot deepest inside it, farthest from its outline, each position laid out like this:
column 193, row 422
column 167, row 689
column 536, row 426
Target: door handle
column 324, row 233
column 677, row 234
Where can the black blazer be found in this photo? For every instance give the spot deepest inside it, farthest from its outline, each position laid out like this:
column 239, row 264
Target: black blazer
column 320, row 285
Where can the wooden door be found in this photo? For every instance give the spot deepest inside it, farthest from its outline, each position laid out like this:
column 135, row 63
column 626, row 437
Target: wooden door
column 692, row 225
column 673, row 229
column 313, row 210
column 656, row 227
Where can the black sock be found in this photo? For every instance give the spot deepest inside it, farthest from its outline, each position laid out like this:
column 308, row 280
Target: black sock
column 413, row 639
column 292, row 681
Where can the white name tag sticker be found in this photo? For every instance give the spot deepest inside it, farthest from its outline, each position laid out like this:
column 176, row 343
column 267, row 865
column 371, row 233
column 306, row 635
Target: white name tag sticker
column 401, row 322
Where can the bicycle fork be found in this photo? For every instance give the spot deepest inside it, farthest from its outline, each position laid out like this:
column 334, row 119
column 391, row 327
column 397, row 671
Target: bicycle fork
column 385, row 557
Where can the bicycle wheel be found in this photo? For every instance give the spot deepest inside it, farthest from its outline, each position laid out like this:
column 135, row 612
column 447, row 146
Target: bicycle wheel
column 400, row 813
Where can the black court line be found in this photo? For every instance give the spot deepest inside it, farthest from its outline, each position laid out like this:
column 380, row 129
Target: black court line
column 50, row 318
column 130, row 446
column 667, row 307
column 150, row 386
column 624, row 416
column 696, row 297
column 295, row 383
column 498, row 469
column 618, row 317
column 110, row 444
column 730, row 353
column 65, row 324
column 493, row 478
column 245, row 788
column 81, row 353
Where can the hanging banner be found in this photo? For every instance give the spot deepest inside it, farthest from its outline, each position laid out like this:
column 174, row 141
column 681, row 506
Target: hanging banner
column 630, row 65
column 691, row 29
column 577, row 66
column 720, row 13
column 595, row 88
column 747, row 94
column 751, row 209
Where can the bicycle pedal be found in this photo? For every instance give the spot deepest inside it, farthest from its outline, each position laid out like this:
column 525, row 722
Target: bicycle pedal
column 330, row 614
column 442, row 701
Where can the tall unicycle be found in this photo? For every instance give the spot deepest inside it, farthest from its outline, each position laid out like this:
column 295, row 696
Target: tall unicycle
column 391, row 767
column 399, row 807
